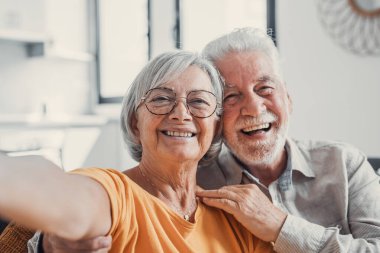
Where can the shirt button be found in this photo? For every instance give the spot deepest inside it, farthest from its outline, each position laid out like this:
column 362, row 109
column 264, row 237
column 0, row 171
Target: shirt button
column 338, row 227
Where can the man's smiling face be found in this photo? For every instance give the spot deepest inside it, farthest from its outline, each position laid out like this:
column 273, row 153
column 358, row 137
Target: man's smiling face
column 256, row 107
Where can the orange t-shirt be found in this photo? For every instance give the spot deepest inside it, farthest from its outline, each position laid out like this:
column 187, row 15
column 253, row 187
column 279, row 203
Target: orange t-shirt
column 143, row 223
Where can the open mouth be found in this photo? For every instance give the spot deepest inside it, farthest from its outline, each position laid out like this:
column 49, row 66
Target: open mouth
column 257, row 129
column 178, row 134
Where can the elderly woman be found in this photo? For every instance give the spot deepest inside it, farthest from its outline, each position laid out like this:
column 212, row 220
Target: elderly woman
column 170, row 122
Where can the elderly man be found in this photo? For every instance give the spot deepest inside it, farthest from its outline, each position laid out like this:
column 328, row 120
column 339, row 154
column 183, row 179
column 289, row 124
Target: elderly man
column 325, row 197
column 302, row 196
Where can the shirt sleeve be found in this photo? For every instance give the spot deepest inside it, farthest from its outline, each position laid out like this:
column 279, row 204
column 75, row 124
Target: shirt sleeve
column 299, row 235
column 118, row 191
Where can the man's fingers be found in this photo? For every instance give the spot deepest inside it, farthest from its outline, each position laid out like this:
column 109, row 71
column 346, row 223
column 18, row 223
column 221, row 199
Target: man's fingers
column 205, row 193
column 220, row 193
column 198, row 188
column 233, row 188
column 225, row 204
column 233, row 193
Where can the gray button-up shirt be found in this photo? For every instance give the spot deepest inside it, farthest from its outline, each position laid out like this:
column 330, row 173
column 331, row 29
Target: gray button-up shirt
column 329, row 190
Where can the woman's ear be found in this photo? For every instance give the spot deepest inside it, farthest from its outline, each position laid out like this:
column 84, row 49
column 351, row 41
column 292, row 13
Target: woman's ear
column 135, row 128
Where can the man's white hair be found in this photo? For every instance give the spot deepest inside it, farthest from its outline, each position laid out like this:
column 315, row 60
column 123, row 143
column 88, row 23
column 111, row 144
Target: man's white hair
column 246, row 39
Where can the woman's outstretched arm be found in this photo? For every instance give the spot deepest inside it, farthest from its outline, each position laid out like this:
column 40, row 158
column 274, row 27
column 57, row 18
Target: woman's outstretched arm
column 36, row 193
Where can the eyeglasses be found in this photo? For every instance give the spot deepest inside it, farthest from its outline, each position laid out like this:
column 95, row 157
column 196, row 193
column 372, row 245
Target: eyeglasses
column 161, row 101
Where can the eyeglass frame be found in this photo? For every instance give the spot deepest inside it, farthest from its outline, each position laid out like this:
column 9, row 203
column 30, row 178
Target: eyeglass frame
column 143, row 100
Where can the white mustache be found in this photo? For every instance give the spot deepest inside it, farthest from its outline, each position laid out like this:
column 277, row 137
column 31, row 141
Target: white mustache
column 265, row 117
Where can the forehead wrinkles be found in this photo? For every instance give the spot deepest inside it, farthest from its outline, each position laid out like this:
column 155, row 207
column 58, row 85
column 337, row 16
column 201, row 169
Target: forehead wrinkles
column 246, row 68
column 196, row 81
column 256, row 80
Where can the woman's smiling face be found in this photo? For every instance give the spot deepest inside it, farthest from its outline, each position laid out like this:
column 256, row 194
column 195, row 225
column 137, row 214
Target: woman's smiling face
column 177, row 135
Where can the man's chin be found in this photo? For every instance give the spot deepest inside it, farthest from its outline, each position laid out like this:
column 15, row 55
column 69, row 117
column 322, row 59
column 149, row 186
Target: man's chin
column 256, row 158
column 258, row 154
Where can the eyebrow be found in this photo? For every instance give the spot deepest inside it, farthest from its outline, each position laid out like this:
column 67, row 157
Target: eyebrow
column 266, row 77
column 262, row 78
column 187, row 91
column 274, row 78
column 258, row 80
column 229, row 85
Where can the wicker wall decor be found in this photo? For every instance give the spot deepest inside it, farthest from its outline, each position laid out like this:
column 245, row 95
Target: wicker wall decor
column 354, row 24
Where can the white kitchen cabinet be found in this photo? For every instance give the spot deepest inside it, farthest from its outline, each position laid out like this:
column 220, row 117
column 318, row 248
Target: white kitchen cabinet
column 22, row 21
column 72, row 142
column 50, row 28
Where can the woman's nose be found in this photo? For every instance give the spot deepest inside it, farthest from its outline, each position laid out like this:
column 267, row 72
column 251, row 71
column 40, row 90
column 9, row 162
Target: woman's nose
column 180, row 111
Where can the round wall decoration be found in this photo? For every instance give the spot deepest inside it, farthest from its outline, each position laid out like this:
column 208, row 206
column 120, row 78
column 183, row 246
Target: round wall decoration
column 354, row 24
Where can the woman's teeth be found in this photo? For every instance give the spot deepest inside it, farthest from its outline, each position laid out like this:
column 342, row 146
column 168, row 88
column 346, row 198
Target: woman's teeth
column 178, row 134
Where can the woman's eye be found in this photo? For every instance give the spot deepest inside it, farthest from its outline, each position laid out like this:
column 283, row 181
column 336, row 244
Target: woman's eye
column 160, row 99
column 198, row 101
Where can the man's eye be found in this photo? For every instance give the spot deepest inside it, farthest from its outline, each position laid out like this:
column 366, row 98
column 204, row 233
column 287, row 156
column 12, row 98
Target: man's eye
column 265, row 90
column 231, row 98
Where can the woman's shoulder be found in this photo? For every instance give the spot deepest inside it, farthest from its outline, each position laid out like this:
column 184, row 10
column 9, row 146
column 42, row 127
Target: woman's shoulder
column 99, row 172
column 108, row 177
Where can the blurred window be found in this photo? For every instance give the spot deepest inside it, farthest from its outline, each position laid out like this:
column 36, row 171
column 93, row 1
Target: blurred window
column 124, row 33
column 204, row 20
column 123, row 45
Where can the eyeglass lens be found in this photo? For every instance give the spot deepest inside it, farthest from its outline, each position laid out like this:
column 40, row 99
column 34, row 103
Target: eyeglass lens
column 200, row 103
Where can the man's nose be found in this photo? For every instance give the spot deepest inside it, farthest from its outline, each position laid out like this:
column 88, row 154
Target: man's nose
column 180, row 111
column 253, row 105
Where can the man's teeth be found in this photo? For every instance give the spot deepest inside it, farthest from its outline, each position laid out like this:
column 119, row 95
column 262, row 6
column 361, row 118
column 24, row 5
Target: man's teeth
column 179, row 134
column 258, row 127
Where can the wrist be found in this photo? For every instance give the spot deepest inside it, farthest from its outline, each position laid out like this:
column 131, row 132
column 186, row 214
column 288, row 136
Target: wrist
column 281, row 220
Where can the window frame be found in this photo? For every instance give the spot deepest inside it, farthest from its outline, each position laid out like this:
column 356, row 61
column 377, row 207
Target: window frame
column 271, row 21
column 271, row 29
column 118, row 99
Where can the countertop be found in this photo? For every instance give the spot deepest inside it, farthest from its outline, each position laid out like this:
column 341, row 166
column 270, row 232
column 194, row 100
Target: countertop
column 51, row 121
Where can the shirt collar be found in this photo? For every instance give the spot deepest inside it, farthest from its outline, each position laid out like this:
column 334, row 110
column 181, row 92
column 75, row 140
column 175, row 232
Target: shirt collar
column 285, row 179
column 233, row 169
column 298, row 159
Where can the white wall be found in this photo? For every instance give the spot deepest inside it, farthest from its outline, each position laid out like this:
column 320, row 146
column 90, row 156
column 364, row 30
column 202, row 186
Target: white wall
column 336, row 94
column 28, row 82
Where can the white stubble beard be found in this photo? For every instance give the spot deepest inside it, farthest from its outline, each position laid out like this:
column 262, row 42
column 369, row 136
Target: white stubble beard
column 261, row 153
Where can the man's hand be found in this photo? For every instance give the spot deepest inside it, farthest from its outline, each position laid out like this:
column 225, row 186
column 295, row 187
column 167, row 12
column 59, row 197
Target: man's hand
column 249, row 206
column 54, row 244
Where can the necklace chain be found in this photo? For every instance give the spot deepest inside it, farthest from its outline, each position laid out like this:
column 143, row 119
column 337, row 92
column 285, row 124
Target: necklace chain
column 186, row 215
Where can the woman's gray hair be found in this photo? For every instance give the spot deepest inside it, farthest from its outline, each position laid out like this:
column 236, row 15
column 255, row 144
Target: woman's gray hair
column 246, row 39
column 163, row 69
